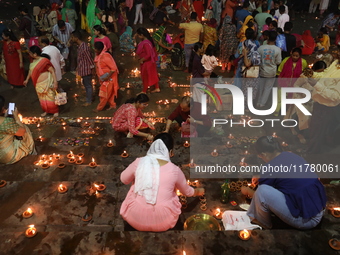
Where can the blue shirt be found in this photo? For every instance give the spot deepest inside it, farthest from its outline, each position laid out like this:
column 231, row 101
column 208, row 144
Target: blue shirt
column 240, row 15
column 305, row 195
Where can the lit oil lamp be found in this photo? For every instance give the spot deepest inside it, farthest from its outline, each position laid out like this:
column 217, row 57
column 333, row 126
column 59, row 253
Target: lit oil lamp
column 127, row 85
column 284, row 144
column 124, row 154
column 57, row 157
column 192, row 164
column 70, row 155
column 218, row 214
column 61, row 165
column 229, row 145
column 189, row 182
column 93, row 163
column 186, row 144
column 336, row 212
column 38, row 125
column 195, row 183
column 2, row 183
column 80, row 154
column 79, row 161
column 230, row 136
column 28, row 213
column 39, row 139
column 178, row 193
column 42, row 157
column 31, row 231
column 214, row 153
column 109, row 144
column 242, row 163
column 64, row 124
column 274, row 135
column 72, row 160
column 45, row 165
column 87, row 124
column 100, row 187
column 62, row 189
column 244, row 234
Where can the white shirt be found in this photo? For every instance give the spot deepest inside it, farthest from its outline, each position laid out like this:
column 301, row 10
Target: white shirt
column 57, row 59
column 209, row 62
column 282, row 21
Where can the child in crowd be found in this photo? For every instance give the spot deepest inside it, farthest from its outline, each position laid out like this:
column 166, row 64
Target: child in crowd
column 209, row 61
column 323, row 41
column 273, row 25
column 265, row 27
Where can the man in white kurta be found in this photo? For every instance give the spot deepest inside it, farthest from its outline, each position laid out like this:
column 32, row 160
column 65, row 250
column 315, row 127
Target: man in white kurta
column 57, row 59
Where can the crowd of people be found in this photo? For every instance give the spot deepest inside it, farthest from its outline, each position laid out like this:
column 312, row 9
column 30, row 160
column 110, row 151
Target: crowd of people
column 253, row 39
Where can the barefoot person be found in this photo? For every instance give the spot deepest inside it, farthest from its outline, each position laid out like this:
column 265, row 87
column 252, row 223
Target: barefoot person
column 107, row 73
column 44, row 80
column 152, row 203
column 298, row 199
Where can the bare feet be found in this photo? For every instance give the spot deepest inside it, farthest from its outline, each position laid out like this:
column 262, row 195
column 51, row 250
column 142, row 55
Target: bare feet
column 156, row 91
column 43, row 114
column 86, row 104
column 56, row 114
column 95, row 110
column 112, row 107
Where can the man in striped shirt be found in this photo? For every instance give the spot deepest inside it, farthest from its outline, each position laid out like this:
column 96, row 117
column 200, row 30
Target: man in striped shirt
column 85, row 66
column 61, row 33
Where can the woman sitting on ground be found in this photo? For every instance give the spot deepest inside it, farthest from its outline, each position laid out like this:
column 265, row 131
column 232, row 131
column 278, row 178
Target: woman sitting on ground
column 16, row 140
column 298, row 198
column 152, row 203
column 129, row 117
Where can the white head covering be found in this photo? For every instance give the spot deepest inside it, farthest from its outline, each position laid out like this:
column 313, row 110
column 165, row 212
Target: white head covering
column 147, row 173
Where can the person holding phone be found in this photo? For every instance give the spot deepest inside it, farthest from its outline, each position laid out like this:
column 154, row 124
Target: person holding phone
column 16, row 140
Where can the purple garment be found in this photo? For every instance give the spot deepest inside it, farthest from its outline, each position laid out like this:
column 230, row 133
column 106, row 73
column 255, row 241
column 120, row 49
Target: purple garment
column 305, row 195
column 197, row 67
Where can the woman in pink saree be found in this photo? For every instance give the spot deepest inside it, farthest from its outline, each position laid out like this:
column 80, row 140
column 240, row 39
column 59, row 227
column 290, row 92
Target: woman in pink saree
column 147, row 54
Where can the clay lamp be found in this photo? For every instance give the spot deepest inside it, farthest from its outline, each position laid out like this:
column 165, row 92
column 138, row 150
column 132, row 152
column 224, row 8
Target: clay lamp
column 64, row 124
column 61, row 165
column 100, row 187
column 244, row 234
column 214, row 153
column 336, row 212
column 31, row 231
column 81, row 155
column 93, row 163
column 124, row 154
column 242, row 163
column 39, row 139
column 284, row 144
column 192, row 164
column 2, row 183
column 218, row 214
column 87, row 124
column 109, row 144
column 45, row 165
column 186, row 144
column 229, row 145
column 87, row 217
column 72, row 160
column 70, row 155
column 189, row 182
column 274, row 135
column 230, row 136
column 203, row 207
column 79, row 161
column 195, row 183
column 334, row 244
column 62, row 189
column 42, row 157
column 57, row 157
column 28, row 213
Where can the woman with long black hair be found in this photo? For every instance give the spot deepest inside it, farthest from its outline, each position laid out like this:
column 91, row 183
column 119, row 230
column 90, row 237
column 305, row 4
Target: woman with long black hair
column 147, row 54
column 11, row 51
